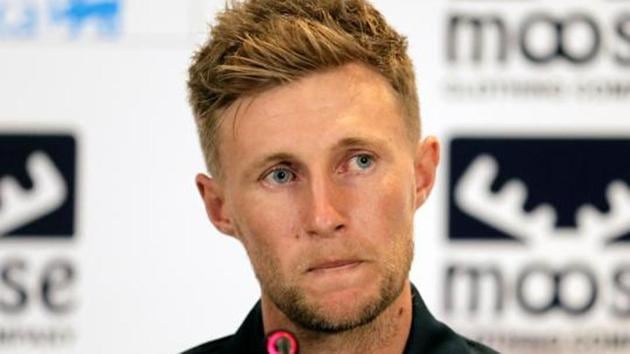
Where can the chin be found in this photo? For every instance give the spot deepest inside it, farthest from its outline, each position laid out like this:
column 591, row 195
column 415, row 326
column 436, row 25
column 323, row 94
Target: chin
column 342, row 316
column 340, row 310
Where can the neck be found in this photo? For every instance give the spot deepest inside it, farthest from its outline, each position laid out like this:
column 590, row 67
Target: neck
column 387, row 334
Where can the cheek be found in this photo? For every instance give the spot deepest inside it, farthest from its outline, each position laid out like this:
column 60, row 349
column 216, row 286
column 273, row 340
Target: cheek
column 394, row 230
column 273, row 216
column 265, row 226
column 386, row 207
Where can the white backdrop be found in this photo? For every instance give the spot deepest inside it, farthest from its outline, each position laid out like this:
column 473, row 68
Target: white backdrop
column 151, row 275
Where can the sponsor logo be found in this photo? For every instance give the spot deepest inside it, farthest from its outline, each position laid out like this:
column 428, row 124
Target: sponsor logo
column 37, row 202
column 37, row 186
column 539, row 229
column 24, row 19
column 541, row 38
column 524, row 189
column 498, row 50
column 18, row 19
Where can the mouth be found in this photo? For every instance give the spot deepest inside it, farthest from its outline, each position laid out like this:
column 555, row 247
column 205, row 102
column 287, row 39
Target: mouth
column 333, row 265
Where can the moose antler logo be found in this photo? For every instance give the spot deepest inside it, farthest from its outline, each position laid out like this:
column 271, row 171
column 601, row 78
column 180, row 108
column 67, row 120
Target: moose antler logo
column 504, row 210
column 20, row 206
column 37, row 186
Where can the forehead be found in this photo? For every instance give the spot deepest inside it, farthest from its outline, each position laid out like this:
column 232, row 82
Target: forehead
column 312, row 113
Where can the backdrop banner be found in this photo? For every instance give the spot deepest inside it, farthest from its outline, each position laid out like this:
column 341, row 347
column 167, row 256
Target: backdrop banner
column 105, row 247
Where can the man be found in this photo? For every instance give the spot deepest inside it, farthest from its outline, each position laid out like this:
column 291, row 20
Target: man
column 308, row 118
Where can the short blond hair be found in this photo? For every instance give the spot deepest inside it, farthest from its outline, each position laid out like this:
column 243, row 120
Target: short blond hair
column 259, row 44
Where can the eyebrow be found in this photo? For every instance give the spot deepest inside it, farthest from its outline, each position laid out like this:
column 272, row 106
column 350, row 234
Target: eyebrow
column 359, row 142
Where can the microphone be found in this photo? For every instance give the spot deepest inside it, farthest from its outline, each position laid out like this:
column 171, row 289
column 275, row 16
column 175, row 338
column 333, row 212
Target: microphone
column 282, row 342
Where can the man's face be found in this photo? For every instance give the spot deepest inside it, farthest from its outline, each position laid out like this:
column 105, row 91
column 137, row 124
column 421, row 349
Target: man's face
column 320, row 183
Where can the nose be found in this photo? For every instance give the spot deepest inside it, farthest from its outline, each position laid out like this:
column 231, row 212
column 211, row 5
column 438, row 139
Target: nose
column 324, row 215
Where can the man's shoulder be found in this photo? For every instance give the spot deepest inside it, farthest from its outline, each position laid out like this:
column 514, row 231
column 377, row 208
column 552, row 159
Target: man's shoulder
column 478, row 348
column 248, row 339
column 217, row 346
column 428, row 335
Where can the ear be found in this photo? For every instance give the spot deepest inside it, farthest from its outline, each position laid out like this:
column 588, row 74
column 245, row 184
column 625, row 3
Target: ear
column 211, row 192
column 426, row 161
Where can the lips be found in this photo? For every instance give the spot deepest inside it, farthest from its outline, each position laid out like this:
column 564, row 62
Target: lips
column 334, row 264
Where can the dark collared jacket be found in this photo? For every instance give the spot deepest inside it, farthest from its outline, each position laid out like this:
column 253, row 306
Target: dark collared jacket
column 427, row 336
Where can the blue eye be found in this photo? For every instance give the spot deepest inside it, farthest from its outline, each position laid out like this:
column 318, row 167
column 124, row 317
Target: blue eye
column 363, row 161
column 280, row 176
